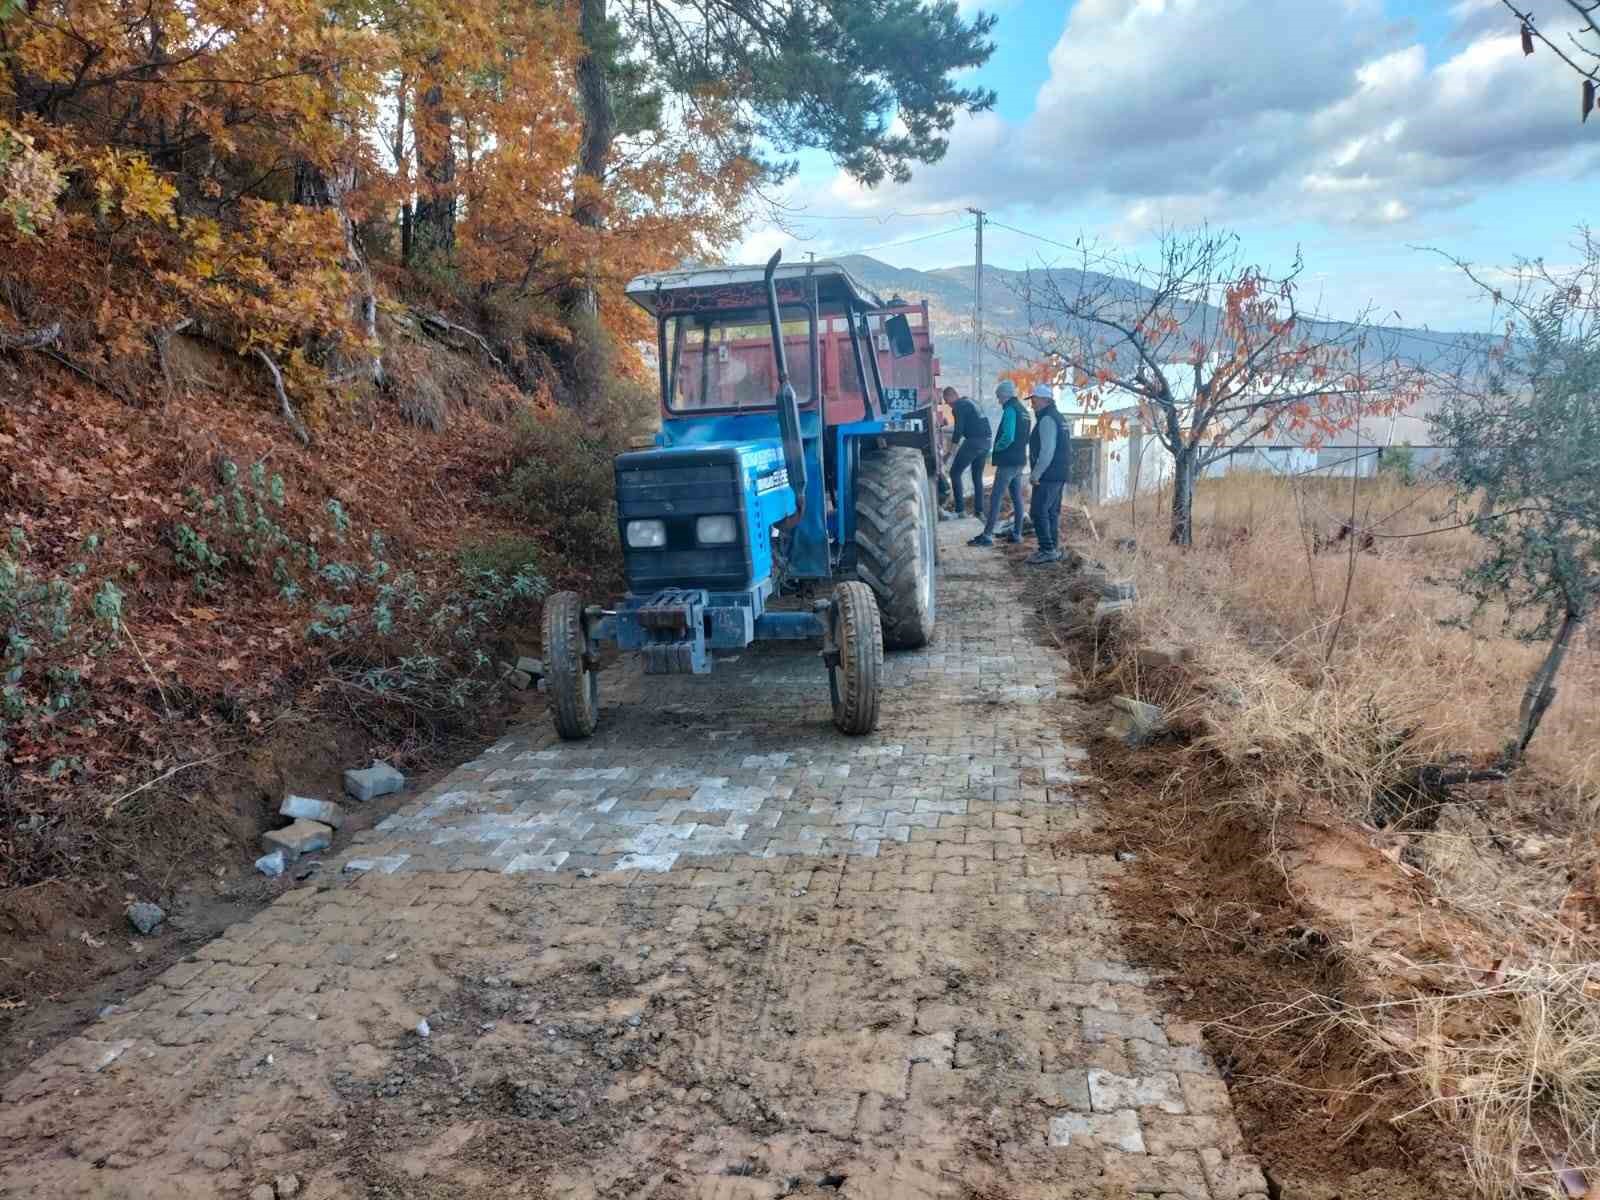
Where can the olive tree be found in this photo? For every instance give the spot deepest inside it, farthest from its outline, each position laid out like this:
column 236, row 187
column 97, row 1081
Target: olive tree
column 1524, row 436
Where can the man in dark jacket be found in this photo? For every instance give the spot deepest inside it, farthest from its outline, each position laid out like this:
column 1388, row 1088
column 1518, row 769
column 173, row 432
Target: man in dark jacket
column 1010, row 460
column 970, row 440
column 1050, row 464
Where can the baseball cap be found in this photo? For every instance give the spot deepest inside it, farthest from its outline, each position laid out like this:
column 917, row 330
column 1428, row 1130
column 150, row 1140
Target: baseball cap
column 1043, row 391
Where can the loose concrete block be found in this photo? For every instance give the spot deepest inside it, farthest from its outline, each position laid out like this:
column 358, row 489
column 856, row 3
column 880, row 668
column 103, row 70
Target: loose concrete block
column 302, row 837
column 271, row 865
column 304, row 808
column 370, row 782
column 1162, row 655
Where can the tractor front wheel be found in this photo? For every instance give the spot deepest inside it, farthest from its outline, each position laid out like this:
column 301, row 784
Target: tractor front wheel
column 897, row 543
column 572, row 684
column 857, row 639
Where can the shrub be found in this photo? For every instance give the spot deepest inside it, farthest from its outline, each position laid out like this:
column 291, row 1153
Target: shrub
column 418, row 635
column 54, row 625
column 563, row 485
column 1399, row 462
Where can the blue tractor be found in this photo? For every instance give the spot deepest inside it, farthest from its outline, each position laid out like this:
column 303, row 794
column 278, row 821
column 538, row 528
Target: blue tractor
column 782, row 498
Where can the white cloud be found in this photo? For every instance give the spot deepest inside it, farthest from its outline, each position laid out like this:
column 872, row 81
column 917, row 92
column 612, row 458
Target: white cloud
column 1321, row 109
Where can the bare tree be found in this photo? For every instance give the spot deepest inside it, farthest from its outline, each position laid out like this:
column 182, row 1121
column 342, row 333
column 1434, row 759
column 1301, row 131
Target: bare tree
column 1212, row 351
column 1579, row 48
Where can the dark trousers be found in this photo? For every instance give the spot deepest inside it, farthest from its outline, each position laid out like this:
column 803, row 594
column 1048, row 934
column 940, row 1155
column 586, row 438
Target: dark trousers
column 970, row 456
column 1045, row 509
column 1006, row 479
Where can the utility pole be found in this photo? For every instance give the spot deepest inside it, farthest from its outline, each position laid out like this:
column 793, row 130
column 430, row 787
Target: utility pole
column 977, row 316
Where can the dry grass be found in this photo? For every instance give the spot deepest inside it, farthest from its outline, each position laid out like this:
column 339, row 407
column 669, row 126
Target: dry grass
column 1261, row 604
column 1311, row 720
column 1512, row 1059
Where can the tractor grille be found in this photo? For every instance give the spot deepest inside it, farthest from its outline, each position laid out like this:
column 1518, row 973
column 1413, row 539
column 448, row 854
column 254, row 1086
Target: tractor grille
column 676, row 489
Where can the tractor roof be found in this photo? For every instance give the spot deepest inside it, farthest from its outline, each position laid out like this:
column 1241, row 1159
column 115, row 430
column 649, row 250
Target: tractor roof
column 700, row 288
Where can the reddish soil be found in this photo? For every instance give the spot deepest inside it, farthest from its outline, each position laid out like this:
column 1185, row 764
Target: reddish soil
column 1207, row 904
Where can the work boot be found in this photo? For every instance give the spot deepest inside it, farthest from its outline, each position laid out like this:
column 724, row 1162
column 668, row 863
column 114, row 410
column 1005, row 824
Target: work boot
column 1040, row 557
column 1014, row 538
column 983, row 539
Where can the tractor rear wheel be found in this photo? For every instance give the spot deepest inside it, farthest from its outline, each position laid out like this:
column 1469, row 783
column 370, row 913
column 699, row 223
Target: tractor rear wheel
column 897, row 543
column 572, row 685
column 858, row 638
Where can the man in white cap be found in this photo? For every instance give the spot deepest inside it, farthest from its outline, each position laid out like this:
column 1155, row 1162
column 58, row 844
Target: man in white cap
column 1049, row 468
column 1010, row 460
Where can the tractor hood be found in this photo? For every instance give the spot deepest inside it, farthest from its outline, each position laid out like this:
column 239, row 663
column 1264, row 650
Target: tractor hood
column 676, row 490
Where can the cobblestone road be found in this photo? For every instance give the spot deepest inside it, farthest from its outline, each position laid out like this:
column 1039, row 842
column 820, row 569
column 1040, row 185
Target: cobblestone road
column 717, row 951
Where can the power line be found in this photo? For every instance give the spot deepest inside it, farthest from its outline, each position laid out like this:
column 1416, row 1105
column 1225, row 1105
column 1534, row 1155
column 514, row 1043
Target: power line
column 908, row 241
column 879, row 218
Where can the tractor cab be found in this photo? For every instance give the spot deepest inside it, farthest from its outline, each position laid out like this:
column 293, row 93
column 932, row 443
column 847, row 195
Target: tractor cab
column 780, row 468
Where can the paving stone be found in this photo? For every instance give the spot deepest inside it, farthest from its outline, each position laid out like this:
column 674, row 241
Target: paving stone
column 1108, row 1092
column 1232, row 1177
column 297, row 838
column 1113, row 1130
column 368, row 783
column 307, row 808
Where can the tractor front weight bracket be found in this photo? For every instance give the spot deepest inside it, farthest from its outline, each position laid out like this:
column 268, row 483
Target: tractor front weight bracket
column 669, row 631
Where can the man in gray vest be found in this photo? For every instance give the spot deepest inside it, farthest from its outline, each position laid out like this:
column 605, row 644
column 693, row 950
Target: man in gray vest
column 1049, row 468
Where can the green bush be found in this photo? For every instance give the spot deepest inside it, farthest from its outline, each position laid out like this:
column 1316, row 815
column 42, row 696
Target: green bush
column 563, row 486
column 1399, row 462
column 52, row 624
column 418, row 634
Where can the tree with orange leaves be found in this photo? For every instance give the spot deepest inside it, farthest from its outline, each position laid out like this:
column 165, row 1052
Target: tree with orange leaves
column 1212, row 352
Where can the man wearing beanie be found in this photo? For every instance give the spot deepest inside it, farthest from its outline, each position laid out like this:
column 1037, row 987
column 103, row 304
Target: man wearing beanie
column 1010, row 460
column 1050, row 459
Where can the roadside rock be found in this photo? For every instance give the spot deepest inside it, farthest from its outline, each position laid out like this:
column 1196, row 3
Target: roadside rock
column 302, row 837
column 520, row 680
column 1135, row 722
column 1162, row 655
column 305, row 808
column 368, row 783
column 214, row 1160
column 287, row 1186
column 145, row 917
column 271, row 865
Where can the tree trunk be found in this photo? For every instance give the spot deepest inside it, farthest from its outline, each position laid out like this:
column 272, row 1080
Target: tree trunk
column 401, row 165
column 434, row 225
column 1541, row 690
column 599, row 131
column 317, row 188
column 1183, row 479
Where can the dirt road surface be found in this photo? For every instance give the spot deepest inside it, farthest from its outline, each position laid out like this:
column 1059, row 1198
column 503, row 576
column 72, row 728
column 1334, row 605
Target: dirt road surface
column 719, row 951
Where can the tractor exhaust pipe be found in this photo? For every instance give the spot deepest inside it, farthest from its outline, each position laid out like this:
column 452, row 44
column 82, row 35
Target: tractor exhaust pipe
column 794, row 461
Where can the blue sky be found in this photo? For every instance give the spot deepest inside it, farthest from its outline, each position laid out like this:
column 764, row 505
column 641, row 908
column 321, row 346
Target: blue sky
column 1353, row 130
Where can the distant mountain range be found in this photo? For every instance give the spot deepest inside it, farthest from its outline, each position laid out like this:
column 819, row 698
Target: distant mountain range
column 949, row 294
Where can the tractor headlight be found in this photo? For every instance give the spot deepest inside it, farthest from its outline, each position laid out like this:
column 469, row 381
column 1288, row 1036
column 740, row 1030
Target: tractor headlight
column 716, row 531
column 647, row 535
